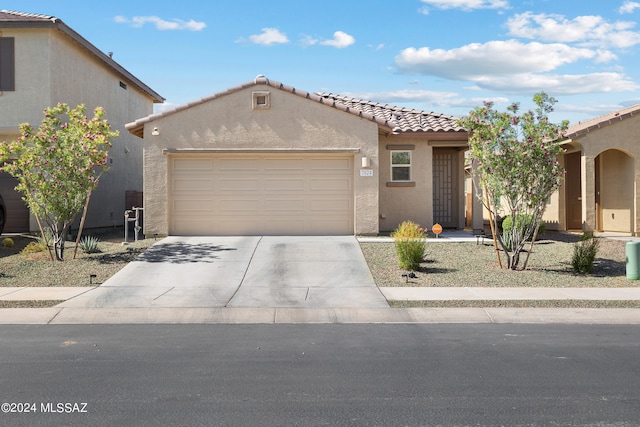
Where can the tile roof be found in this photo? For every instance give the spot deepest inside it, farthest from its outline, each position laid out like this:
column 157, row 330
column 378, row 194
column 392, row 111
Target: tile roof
column 396, row 120
column 402, row 119
column 583, row 128
column 12, row 16
column 12, row 19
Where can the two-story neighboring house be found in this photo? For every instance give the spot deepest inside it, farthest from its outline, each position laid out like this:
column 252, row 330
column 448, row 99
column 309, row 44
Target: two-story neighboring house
column 43, row 62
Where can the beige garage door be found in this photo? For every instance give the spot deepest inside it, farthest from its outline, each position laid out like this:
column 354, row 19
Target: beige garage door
column 261, row 194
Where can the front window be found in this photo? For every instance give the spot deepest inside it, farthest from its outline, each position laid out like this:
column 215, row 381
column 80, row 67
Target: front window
column 401, row 166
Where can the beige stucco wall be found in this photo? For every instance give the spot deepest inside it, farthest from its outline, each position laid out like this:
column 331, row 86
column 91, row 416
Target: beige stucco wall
column 617, row 146
column 616, row 191
column 398, row 204
column 230, row 122
column 52, row 68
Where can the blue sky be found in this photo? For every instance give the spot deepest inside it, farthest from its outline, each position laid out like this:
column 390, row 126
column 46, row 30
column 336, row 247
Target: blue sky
column 445, row 56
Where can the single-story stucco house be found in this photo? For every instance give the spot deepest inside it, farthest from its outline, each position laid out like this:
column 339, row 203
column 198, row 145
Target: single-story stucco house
column 266, row 158
column 602, row 183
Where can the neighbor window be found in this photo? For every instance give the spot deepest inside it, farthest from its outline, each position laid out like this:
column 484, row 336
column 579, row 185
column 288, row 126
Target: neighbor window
column 7, row 64
column 401, row 166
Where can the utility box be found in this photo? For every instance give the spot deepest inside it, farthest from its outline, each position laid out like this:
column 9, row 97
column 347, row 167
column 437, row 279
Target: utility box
column 632, row 250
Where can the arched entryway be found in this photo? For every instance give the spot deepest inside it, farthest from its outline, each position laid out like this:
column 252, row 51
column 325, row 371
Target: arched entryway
column 615, row 191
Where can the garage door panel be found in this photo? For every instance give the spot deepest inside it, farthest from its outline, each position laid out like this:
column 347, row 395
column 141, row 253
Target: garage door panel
column 239, row 205
column 331, row 205
column 331, row 185
column 238, row 165
column 193, row 185
column 238, row 184
column 261, row 195
column 285, row 206
column 284, row 166
column 197, row 226
column 279, row 185
column 184, row 206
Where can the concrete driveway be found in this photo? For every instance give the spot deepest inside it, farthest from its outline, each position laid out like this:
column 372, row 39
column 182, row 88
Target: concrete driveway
column 253, row 271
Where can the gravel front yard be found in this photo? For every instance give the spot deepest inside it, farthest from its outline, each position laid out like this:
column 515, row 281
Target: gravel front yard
column 469, row 264
column 36, row 269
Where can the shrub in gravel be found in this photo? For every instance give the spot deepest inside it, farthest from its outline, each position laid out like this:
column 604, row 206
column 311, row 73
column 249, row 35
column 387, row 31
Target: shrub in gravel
column 34, row 247
column 409, row 239
column 584, row 253
column 89, row 245
column 522, row 223
column 7, row 242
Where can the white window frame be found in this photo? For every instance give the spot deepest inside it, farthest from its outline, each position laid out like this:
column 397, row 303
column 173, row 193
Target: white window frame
column 394, row 165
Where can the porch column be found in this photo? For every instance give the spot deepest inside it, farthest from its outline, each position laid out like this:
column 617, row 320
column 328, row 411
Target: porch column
column 589, row 213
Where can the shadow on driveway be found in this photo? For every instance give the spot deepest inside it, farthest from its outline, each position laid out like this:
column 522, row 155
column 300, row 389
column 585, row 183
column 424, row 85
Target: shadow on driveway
column 182, row 253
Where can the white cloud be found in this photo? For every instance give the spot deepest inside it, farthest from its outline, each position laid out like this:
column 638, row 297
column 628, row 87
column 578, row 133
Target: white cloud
column 308, row 41
column 629, row 7
column 584, row 30
column 464, row 4
column 161, row 24
column 565, row 84
column 515, row 67
column 340, row 40
column 269, row 36
column 491, row 58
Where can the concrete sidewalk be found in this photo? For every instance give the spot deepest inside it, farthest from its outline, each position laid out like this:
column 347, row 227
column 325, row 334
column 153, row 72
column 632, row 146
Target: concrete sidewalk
column 279, row 315
column 390, row 293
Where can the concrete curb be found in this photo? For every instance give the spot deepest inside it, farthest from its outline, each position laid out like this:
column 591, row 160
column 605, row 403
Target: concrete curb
column 66, row 316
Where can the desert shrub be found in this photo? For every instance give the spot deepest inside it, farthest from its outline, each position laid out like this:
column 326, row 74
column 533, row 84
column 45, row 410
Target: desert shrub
column 584, row 254
column 89, row 245
column 522, row 223
column 34, row 247
column 515, row 231
column 410, row 245
column 7, row 242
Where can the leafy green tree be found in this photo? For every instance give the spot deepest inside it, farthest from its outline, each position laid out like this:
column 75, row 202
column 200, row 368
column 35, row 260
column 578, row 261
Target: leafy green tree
column 58, row 164
column 515, row 167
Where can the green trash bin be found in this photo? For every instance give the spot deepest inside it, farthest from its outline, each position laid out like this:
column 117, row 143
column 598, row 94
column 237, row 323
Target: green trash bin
column 632, row 250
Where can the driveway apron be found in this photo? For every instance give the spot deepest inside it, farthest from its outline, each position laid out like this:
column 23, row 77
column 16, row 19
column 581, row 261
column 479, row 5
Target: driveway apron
column 250, row 271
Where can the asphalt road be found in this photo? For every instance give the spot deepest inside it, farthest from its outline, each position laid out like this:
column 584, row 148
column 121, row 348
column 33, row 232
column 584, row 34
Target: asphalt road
column 314, row 375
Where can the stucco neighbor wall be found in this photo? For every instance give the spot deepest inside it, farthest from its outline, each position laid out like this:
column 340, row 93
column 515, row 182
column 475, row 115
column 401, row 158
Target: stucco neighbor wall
column 52, row 68
column 79, row 77
column 617, row 148
column 230, row 122
column 617, row 189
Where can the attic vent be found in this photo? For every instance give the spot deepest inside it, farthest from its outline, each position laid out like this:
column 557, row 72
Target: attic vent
column 123, row 85
column 261, row 100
